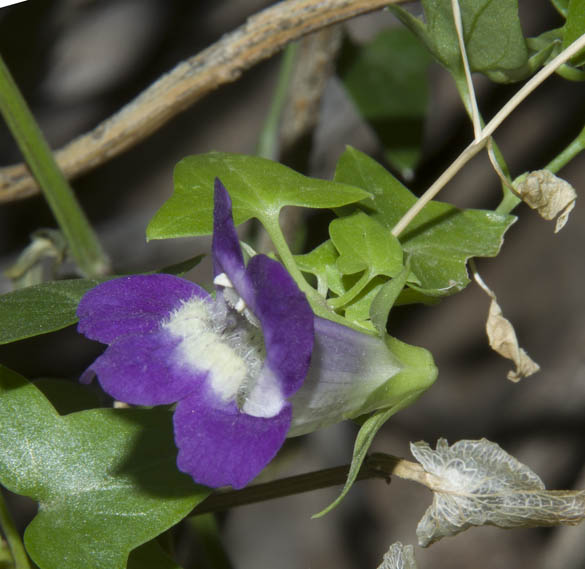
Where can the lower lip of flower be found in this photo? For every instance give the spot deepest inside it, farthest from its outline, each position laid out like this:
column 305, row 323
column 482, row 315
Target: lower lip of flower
column 221, row 341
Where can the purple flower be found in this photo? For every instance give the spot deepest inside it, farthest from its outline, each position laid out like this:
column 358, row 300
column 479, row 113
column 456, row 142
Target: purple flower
column 230, row 363
column 246, row 369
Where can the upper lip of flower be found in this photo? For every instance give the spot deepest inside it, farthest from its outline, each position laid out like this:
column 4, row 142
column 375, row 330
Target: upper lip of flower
column 166, row 345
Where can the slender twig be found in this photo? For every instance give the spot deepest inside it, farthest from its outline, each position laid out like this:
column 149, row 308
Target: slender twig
column 479, row 280
column 12, row 536
column 376, row 465
column 474, row 147
column 268, row 146
column 81, row 238
column 314, row 64
column 261, row 36
column 476, row 120
column 567, row 154
column 496, row 166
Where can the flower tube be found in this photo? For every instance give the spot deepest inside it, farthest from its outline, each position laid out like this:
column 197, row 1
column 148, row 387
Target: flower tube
column 235, row 364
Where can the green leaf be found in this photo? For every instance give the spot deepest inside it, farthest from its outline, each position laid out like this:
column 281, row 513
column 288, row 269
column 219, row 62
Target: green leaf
column 562, row 6
column 322, row 263
column 493, row 36
column 544, row 48
column 365, row 245
column 179, row 269
column 68, row 396
column 362, row 443
column 258, row 188
column 105, row 479
column 52, row 306
column 385, row 299
column 387, row 79
column 151, row 556
column 440, row 239
column 41, row 309
column 411, row 296
column 574, row 28
column 359, row 309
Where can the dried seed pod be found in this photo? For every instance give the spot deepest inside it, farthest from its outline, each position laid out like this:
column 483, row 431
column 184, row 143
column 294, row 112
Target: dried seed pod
column 548, row 194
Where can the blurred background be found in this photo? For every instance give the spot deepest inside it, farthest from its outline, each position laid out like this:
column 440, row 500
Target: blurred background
column 78, row 61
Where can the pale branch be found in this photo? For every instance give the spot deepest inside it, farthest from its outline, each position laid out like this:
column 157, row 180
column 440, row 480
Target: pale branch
column 476, row 120
column 488, row 130
column 260, row 37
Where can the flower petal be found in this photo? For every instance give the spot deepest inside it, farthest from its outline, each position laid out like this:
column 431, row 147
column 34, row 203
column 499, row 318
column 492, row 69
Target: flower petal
column 141, row 370
column 219, row 445
column 286, row 320
column 227, row 253
column 132, row 305
column 275, row 299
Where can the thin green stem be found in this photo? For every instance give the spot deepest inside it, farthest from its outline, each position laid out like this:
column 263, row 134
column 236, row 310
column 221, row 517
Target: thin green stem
column 12, row 536
column 318, row 303
column 377, row 465
column 576, row 146
column 278, row 240
column 268, row 140
column 508, row 203
column 348, row 296
column 83, row 242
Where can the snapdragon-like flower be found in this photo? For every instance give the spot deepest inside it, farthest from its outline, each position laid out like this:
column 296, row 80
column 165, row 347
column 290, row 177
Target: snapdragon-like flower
column 229, row 363
column 234, row 364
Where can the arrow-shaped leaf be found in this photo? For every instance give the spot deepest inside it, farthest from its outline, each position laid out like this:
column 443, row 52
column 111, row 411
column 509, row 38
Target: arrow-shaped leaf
column 105, row 479
column 258, row 188
column 493, row 36
column 440, row 239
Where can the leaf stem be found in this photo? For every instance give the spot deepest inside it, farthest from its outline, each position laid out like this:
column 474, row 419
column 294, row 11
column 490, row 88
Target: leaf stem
column 82, row 240
column 268, row 139
column 17, row 550
column 576, row 146
column 508, row 203
column 318, row 303
column 376, row 465
column 348, row 296
column 476, row 145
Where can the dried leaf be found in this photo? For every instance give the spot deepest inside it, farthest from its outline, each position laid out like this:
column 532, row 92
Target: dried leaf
column 502, row 336
column 502, row 339
column 399, row 557
column 477, row 483
column 549, row 195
